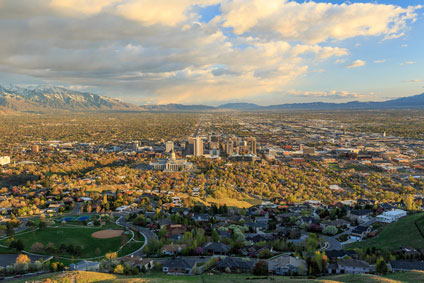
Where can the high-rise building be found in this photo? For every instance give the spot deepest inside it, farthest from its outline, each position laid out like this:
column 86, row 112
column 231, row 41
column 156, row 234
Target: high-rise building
column 135, row 146
column 198, row 148
column 252, row 145
column 195, row 146
column 214, row 142
column 229, row 147
column 35, row 148
column 169, row 146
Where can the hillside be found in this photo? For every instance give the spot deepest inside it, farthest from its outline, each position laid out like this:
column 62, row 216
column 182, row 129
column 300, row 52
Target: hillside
column 49, row 98
column 391, row 238
column 91, row 277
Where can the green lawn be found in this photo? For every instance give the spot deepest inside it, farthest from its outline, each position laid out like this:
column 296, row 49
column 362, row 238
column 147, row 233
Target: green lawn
column 403, row 233
column 77, row 236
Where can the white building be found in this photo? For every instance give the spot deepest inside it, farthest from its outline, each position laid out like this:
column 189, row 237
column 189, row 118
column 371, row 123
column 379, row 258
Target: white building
column 171, row 164
column 4, row 160
column 391, row 216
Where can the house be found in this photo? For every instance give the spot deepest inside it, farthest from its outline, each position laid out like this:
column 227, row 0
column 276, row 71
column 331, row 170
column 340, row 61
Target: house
column 257, row 226
column 406, row 265
column 349, row 266
column 200, row 217
column 338, row 223
column 138, row 262
column 164, row 222
column 339, row 254
column 360, row 232
column 236, row 265
column 172, row 249
column 175, row 229
column 287, row 265
column 213, row 248
column 179, row 266
column 85, row 265
column 391, row 215
column 360, row 215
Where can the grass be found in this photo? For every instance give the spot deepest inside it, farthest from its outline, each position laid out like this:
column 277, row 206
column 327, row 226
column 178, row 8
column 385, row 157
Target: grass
column 88, row 277
column 403, row 233
column 129, row 248
column 77, row 236
column 231, row 202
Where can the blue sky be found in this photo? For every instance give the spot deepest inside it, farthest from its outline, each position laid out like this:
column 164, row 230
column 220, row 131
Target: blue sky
column 217, row 51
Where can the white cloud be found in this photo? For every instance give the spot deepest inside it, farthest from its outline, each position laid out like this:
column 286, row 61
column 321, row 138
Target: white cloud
column 356, row 64
column 333, row 94
column 408, row 63
column 315, row 22
column 380, row 61
column 157, row 50
column 413, row 81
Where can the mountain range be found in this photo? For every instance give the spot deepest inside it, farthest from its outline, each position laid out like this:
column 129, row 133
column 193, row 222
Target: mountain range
column 410, row 102
column 51, row 98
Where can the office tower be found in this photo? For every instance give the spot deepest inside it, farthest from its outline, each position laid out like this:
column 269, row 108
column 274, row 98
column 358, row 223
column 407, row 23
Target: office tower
column 229, row 147
column 198, row 146
column 135, row 146
column 252, row 143
column 214, row 142
column 169, row 146
column 35, row 148
column 195, row 146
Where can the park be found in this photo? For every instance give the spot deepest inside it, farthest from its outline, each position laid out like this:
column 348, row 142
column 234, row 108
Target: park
column 70, row 238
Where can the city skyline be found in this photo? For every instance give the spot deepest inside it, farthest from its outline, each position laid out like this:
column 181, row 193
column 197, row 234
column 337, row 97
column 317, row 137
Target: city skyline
column 212, row 52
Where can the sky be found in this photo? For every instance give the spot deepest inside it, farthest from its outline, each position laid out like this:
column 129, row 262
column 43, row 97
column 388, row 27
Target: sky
column 216, row 51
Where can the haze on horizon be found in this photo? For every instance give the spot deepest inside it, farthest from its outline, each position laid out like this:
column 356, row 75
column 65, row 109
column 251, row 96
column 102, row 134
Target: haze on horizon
column 216, row 51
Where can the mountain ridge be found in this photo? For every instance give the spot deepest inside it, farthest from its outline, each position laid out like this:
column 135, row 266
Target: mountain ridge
column 412, row 102
column 50, row 98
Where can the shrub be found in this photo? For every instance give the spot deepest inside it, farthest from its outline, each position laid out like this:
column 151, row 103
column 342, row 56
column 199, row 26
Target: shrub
column 261, row 268
column 37, row 247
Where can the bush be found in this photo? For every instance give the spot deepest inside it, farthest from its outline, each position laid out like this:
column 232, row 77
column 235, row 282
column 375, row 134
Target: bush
column 261, row 268
column 381, row 266
column 330, row 230
column 37, row 247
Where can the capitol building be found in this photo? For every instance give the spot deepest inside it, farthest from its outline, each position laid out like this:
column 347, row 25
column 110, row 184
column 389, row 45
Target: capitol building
column 171, row 164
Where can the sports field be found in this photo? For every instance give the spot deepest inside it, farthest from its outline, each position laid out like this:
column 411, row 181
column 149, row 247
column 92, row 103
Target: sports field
column 91, row 246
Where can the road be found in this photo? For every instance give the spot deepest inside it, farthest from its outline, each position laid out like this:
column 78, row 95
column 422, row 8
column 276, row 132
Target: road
column 77, row 208
column 333, row 244
column 196, row 132
column 148, row 234
column 21, row 227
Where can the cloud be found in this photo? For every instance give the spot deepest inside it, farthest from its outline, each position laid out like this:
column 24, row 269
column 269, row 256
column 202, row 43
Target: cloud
column 356, row 64
column 160, row 51
column 413, row 81
column 333, row 94
column 408, row 63
column 380, row 61
column 315, row 22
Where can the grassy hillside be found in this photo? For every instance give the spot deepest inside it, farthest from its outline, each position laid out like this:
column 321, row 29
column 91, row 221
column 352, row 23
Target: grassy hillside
column 403, row 233
column 91, row 277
